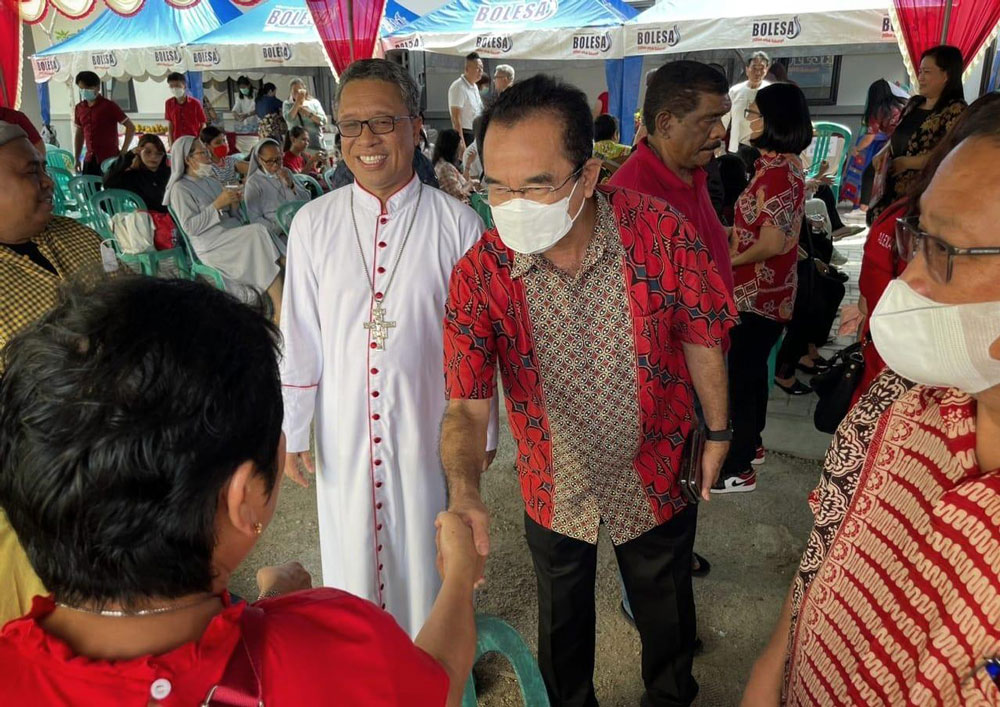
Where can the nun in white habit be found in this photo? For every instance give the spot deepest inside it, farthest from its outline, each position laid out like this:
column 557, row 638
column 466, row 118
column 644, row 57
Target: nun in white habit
column 269, row 185
column 245, row 255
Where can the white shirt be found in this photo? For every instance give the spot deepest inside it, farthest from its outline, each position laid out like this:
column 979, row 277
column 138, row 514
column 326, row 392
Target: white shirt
column 741, row 96
column 377, row 412
column 246, row 106
column 465, row 96
column 470, row 162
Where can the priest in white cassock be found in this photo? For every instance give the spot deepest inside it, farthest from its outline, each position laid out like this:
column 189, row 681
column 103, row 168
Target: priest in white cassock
column 365, row 290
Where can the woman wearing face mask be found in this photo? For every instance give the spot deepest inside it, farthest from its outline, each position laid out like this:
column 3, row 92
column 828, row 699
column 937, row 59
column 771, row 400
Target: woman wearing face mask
column 225, row 167
column 765, row 236
column 926, row 119
column 244, row 107
column 142, row 171
column 245, row 255
column 269, row 185
column 881, row 262
column 445, row 163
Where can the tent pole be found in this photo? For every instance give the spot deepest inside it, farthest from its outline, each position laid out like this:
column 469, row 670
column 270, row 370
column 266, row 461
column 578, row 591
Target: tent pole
column 947, row 21
column 350, row 27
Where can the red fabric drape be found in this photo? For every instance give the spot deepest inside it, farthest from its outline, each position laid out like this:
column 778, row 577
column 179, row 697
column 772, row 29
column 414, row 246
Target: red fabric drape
column 348, row 28
column 10, row 53
column 921, row 21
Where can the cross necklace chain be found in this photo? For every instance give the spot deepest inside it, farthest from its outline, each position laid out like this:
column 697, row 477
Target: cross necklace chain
column 378, row 326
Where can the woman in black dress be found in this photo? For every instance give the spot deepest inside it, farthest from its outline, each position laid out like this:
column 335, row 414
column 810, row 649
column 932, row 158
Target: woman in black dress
column 142, row 171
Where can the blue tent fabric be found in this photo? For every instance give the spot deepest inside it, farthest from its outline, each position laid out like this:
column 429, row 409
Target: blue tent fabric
column 157, row 24
column 396, row 17
column 623, row 77
column 475, row 16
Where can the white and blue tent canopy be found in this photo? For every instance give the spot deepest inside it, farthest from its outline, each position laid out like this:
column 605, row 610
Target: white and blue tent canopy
column 274, row 33
column 674, row 26
column 146, row 44
column 519, row 29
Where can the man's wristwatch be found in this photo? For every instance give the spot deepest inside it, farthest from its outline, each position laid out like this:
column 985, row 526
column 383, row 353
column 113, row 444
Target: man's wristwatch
column 725, row 435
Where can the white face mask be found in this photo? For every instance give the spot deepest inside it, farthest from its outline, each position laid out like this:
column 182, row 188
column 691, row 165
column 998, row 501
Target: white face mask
column 178, row 91
column 943, row 345
column 529, row 227
column 201, row 170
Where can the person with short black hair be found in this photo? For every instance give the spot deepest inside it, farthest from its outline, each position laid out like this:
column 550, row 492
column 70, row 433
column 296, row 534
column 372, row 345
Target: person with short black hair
column 741, row 96
column 95, row 122
column 464, row 100
column 226, row 168
column 606, row 145
column 272, row 123
column 140, row 437
column 267, row 101
column 244, row 107
column 604, row 313
column 765, row 239
column 445, row 161
column 184, row 115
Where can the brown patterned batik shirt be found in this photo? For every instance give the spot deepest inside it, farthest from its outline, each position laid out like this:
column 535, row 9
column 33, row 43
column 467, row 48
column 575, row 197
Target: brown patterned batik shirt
column 586, row 354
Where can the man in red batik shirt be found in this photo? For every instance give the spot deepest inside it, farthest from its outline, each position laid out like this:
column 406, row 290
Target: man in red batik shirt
column 605, row 314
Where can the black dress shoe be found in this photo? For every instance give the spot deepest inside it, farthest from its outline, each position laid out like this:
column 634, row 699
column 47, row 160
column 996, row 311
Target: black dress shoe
column 819, row 366
column 796, row 388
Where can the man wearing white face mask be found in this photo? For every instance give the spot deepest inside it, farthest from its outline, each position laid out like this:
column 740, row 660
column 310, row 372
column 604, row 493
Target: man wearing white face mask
column 897, row 598
column 184, row 114
column 604, row 311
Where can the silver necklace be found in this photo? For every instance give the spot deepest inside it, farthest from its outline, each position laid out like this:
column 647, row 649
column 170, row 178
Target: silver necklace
column 377, row 325
column 122, row 613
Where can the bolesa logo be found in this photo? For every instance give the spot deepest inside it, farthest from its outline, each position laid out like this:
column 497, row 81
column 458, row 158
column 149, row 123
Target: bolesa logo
column 47, row 66
column 167, row 57
column 775, row 31
column 205, row 57
column 494, row 43
column 287, row 18
column 592, row 43
column 276, row 53
column 887, row 29
column 658, row 38
column 103, row 60
column 412, row 42
column 499, row 13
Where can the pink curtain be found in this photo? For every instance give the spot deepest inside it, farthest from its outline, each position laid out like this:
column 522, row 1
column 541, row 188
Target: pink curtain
column 348, row 28
column 10, row 53
column 970, row 24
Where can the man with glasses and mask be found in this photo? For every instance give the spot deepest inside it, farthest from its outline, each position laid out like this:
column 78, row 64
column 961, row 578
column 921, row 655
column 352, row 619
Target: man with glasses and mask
column 605, row 314
column 366, row 282
column 897, row 597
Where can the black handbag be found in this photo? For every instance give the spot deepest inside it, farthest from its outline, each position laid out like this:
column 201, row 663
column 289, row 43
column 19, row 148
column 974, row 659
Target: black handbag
column 836, row 387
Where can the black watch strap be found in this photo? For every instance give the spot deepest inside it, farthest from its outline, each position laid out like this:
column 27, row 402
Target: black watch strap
column 725, row 435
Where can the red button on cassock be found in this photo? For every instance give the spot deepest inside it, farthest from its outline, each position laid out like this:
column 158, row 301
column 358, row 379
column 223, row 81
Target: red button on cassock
column 376, row 416
column 374, row 371
column 383, row 220
column 374, row 393
column 380, row 568
column 378, row 506
column 378, row 549
column 378, row 484
column 378, row 462
column 382, row 244
column 373, row 345
column 377, row 440
column 379, row 295
column 378, row 527
column 381, row 587
column 380, row 269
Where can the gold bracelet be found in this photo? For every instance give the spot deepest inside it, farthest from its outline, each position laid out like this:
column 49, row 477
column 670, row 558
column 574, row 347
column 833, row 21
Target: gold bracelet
column 269, row 594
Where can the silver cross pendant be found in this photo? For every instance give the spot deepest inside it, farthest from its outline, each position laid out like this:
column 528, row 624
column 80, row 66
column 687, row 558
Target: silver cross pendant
column 379, row 327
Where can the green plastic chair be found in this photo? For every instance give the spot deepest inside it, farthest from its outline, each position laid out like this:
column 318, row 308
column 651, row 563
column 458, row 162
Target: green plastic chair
column 497, row 636
column 481, row 207
column 286, row 212
column 328, row 177
column 821, row 151
column 311, row 185
column 63, row 201
column 83, row 189
column 57, row 157
column 195, row 266
column 106, row 164
column 104, row 205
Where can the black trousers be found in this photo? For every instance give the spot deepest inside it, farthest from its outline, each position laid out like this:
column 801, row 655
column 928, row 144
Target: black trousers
column 91, row 166
column 656, row 568
column 750, row 342
column 825, row 194
column 468, row 136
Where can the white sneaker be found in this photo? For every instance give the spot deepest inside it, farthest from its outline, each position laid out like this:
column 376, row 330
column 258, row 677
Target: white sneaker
column 838, row 258
column 747, row 481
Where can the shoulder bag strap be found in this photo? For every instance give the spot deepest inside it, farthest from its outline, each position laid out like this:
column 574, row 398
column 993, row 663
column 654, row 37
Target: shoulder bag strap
column 240, row 685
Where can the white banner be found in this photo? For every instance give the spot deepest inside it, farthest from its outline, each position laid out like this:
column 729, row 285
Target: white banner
column 559, row 44
column 813, row 29
column 111, row 63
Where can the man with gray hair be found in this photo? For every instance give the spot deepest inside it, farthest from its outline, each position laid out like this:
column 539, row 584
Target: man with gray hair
column 503, row 77
column 742, row 95
column 366, row 281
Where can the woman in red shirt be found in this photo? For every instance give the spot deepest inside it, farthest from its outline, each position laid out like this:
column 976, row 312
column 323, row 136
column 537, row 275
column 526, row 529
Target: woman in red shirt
column 141, row 467
column 297, row 157
column 765, row 237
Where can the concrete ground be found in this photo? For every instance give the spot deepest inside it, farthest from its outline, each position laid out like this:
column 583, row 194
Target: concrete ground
column 753, row 540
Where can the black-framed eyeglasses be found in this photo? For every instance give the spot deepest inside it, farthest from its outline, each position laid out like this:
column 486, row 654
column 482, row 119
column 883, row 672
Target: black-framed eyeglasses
column 276, row 160
column 939, row 254
column 379, row 125
column 499, row 193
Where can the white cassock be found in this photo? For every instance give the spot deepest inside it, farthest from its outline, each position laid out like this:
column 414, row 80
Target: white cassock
column 377, row 412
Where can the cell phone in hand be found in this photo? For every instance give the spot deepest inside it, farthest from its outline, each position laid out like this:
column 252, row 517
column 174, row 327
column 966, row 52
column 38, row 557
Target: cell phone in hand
column 690, row 470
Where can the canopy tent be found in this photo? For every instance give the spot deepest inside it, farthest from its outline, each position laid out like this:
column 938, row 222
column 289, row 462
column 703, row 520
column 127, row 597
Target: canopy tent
column 146, row 44
column 274, row 33
column 674, row 26
column 519, row 29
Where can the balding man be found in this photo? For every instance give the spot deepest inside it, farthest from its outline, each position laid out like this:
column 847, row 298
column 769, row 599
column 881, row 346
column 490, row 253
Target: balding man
column 38, row 251
column 897, row 598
